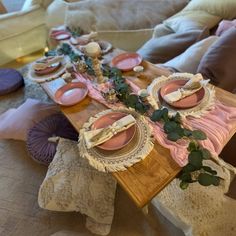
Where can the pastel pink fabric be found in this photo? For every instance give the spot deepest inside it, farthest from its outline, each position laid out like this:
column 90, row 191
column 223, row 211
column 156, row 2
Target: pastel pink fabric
column 15, row 123
column 217, row 124
column 224, row 26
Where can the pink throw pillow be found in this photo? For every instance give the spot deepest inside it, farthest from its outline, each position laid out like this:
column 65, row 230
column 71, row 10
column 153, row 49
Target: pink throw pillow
column 15, row 123
column 224, row 26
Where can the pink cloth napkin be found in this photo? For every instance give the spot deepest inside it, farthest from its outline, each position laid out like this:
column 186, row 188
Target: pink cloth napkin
column 217, row 124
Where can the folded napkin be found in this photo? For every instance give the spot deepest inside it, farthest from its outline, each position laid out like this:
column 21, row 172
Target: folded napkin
column 98, row 136
column 46, row 62
column 191, row 87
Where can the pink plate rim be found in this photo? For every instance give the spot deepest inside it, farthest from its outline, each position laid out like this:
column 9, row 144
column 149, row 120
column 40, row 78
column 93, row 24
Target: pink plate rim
column 104, row 147
column 125, row 56
column 66, row 88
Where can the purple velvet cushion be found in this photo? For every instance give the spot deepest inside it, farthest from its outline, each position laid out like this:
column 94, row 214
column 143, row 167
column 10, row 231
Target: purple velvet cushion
column 164, row 48
column 218, row 63
column 39, row 142
column 10, row 80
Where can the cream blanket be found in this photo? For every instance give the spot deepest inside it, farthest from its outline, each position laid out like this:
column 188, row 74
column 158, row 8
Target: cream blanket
column 199, row 210
column 71, row 184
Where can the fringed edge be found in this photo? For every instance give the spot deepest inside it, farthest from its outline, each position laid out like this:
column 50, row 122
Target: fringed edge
column 195, row 113
column 106, row 167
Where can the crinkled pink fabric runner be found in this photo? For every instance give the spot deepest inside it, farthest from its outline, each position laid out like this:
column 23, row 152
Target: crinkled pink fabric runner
column 217, row 124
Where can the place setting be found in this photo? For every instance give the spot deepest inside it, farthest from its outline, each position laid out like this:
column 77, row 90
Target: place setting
column 114, row 140
column 185, row 93
column 47, row 68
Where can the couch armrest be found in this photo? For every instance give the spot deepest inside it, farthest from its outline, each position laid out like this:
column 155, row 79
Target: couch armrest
column 30, row 3
column 17, row 22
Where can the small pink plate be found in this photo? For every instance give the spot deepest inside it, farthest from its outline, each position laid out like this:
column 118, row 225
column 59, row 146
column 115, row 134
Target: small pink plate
column 119, row 140
column 126, row 61
column 71, row 93
column 48, row 70
column 60, row 35
column 187, row 102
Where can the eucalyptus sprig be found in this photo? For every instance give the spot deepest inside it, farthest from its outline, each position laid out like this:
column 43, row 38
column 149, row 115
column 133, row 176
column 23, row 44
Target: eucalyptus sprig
column 194, row 171
column 66, row 49
column 124, row 94
column 75, row 31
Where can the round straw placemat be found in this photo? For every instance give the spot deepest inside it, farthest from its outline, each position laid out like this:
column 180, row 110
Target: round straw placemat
column 110, row 161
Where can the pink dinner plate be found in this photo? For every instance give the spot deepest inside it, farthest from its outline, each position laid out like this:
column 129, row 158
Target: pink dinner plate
column 119, row 140
column 71, row 93
column 48, row 70
column 187, row 102
column 60, row 35
column 126, row 61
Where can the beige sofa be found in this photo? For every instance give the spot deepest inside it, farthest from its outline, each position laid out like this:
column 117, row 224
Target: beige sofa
column 22, row 33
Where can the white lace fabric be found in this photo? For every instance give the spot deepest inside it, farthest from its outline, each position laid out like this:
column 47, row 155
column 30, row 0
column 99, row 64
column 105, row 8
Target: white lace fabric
column 71, row 184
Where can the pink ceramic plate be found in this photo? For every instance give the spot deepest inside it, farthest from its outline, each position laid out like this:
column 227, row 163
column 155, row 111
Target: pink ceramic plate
column 126, row 61
column 187, row 102
column 49, row 69
column 119, row 140
column 60, row 35
column 71, row 93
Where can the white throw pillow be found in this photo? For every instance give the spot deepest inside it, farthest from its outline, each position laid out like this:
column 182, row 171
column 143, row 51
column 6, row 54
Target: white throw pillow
column 190, row 59
column 15, row 123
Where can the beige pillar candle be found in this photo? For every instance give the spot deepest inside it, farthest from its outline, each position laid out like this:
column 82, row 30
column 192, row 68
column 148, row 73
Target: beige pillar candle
column 93, row 50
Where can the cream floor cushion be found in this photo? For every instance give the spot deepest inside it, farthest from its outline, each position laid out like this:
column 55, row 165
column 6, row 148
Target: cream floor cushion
column 71, row 184
column 199, row 210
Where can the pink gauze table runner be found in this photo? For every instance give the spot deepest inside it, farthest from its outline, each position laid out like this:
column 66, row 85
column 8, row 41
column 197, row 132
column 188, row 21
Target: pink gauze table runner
column 217, row 124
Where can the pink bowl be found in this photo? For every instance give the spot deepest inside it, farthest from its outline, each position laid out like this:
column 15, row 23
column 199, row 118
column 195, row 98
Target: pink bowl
column 119, row 140
column 187, row 102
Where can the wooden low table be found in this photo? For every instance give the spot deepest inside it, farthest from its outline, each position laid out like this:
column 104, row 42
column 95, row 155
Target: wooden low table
column 147, row 178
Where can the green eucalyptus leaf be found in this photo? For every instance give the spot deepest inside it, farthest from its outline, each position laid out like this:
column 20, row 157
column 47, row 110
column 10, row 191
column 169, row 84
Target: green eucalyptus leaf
column 209, row 170
column 177, row 118
column 199, row 135
column 141, row 108
column 206, row 179
column 180, row 131
column 216, row 180
column 132, row 100
column 192, row 146
column 156, row 115
column 165, row 116
column 195, row 158
column 205, row 153
column 186, row 177
column 187, row 132
column 189, row 168
column 183, row 185
column 173, row 136
column 170, row 126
